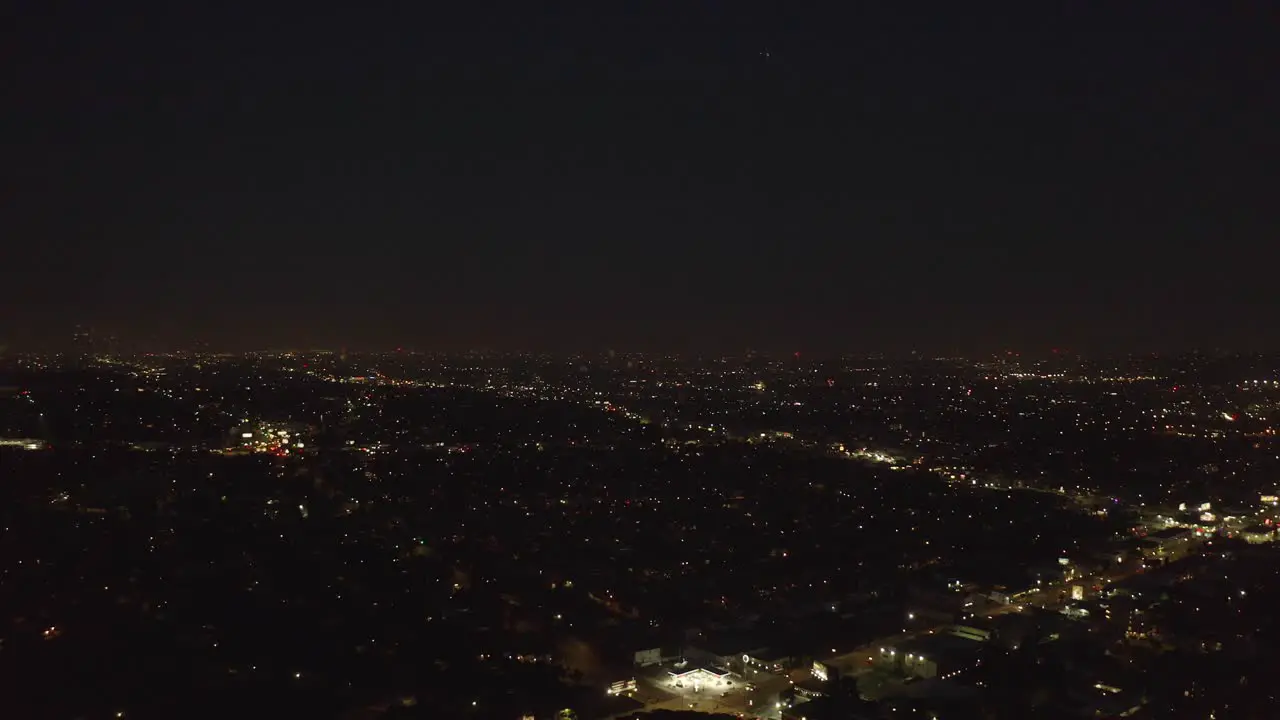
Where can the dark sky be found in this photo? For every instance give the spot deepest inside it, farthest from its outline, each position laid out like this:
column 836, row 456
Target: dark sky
column 648, row 175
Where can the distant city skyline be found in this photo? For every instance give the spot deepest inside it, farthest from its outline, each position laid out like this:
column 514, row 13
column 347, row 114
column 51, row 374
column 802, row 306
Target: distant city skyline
column 86, row 340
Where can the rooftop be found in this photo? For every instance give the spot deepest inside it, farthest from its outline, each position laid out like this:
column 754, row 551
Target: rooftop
column 940, row 644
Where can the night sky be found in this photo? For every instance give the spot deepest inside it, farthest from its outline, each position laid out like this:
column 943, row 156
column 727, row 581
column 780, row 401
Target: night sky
column 687, row 176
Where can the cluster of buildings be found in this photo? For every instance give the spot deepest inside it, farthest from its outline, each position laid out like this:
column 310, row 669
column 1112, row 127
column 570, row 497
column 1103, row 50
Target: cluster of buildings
column 760, row 538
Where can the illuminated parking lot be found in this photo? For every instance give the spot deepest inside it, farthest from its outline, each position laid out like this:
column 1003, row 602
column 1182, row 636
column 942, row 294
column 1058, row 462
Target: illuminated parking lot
column 709, row 690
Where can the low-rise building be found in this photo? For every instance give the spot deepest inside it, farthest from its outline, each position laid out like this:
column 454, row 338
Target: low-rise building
column 942, row 655
column 1258, row 534
column 769, row 660
column 1168, row 544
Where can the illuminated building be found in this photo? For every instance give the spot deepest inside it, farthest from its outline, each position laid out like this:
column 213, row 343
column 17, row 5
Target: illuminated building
column 942, row 655
column 1167, row 544
column 1258, row 534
